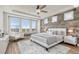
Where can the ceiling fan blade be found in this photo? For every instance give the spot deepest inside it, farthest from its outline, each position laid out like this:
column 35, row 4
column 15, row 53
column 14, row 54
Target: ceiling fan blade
column 37, row 7
column 44, row 11
column 42, row 7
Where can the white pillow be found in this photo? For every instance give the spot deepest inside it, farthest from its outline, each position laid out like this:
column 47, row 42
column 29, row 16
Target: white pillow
column 49, row 32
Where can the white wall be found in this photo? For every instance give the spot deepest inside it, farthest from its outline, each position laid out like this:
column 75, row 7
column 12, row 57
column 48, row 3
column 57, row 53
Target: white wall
column 1, row 19
column 38, row 26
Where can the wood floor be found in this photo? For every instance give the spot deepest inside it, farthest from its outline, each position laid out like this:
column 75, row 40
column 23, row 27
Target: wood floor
column 13, row 48
column 73, row 49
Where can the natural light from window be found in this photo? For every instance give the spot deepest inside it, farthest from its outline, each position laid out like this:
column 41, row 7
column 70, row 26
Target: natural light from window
column 25, row 25
column 14, row 24
column 46, row 21
column 54, row 19
column 34, row 25
column 69, row 15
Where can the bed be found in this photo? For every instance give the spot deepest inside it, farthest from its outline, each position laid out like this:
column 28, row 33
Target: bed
column 52, row 37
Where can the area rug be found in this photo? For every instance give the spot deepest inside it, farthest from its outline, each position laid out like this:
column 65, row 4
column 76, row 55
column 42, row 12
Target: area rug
column 29, row 47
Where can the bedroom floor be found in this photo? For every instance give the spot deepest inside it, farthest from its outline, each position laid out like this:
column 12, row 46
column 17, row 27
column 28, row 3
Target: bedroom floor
column 14, row 49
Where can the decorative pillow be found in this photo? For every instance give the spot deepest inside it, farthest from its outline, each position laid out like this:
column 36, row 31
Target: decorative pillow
column 60, row 33
column 55, row 33
column 49, row 32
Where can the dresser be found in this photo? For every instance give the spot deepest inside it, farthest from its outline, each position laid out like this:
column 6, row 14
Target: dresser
column 78, row 41
column 4, row 43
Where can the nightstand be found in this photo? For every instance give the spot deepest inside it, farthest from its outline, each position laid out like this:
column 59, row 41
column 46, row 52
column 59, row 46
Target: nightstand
column 78, row 41
column 71, row 40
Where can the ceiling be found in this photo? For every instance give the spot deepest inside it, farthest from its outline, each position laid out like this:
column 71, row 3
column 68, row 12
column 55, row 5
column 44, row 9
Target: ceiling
column 31, row 9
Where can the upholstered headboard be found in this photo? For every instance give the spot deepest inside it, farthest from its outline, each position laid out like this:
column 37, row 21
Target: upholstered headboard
column 57, row 31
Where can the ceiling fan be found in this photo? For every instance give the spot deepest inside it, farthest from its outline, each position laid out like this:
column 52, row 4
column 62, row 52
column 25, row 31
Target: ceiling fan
column 40, row 8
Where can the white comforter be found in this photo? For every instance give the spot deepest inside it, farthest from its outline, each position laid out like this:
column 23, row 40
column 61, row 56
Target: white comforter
column 47, row 38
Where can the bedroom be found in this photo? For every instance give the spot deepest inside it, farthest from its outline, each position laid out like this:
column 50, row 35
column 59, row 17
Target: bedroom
column 39, row 29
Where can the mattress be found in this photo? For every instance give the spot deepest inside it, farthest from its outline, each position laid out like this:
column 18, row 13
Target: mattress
column 47, row 38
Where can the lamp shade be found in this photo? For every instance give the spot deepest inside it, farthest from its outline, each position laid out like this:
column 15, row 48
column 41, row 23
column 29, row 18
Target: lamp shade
column 70, row 30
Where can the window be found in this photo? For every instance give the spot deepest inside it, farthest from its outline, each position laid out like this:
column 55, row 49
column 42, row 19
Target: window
column 14, row 24
column 69, row 15
column 25, row 25
column 34, row 25
column 54, row 19
column 46, row 21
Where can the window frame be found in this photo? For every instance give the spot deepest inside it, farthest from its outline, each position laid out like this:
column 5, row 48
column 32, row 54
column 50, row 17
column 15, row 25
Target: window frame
column 10, row 23
column 20, row 26
column 66, row 15
column 45, row 20
column 53, row 17
column 29, row 24
column 36, row 25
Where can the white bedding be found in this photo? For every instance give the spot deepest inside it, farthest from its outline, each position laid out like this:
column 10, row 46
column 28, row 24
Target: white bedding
column 47, row 40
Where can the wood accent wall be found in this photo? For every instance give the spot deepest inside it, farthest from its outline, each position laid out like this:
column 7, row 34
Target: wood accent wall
column 61, row 23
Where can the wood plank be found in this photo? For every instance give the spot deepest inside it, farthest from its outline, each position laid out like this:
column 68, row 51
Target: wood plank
column 12, row 48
